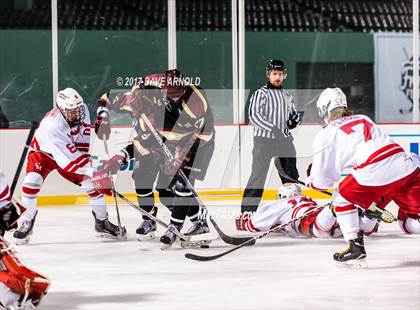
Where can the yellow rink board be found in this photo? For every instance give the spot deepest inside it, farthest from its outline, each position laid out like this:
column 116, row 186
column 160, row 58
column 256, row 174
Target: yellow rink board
column 228, row 195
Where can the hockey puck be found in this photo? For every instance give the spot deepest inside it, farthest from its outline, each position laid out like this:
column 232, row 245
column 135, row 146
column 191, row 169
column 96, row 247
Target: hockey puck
column 204, row 246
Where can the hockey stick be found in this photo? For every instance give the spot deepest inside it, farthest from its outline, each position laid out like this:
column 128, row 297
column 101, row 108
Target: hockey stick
column 381, row 214
column 169, row 156
column 254, row 239
column 31, row 134
column 120, row 228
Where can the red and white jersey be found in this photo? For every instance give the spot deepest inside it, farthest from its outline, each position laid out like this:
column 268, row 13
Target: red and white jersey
column 356, row 142
column 68, row 147
column 280, row 212
column 4, row 190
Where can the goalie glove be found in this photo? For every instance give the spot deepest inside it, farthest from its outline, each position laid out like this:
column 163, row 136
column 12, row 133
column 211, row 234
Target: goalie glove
column 8, row 218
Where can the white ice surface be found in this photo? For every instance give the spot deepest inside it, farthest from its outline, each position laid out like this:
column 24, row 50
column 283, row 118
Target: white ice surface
column 276, row 273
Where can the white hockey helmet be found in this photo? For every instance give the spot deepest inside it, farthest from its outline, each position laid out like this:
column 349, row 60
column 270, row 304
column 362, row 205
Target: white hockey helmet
column 70, row 104
column 289, row 190
column 330, row 99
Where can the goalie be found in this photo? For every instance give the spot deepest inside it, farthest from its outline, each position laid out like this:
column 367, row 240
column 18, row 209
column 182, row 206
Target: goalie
column 20, row 287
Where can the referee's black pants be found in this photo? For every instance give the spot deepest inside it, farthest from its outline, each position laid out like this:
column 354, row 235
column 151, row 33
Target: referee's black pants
column 284, row 153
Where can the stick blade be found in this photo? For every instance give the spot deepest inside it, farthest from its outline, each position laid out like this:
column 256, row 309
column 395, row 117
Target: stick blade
column 230, row 239
column 201, row 258
column 238, row 240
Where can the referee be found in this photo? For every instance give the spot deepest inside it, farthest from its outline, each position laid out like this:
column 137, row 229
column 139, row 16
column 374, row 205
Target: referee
column 273, row 113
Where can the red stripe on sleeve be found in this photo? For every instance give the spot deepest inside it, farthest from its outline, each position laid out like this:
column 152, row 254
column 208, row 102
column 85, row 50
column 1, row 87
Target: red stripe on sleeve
column 5, row 193
column 73, row 163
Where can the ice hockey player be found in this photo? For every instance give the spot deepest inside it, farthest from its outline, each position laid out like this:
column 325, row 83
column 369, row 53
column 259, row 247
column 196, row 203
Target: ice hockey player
column 291, row 205
column 181, row 115
column 20, row 287
column 62, row 143
column 377, row 165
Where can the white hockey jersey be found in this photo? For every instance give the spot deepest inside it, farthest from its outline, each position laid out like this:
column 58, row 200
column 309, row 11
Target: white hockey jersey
column 68, row 147
column 356, row 142
column 4, row 190
column 280, row 212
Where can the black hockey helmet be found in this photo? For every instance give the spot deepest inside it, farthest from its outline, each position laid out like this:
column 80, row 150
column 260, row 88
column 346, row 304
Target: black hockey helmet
column 173, row 83
column 275, row 64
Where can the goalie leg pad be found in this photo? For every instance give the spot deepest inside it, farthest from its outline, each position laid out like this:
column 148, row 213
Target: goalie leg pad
column 20, row 279
column 8, row 298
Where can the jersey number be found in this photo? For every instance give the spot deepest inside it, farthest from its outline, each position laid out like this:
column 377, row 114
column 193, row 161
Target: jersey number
column 367, row 126
column 71, row 148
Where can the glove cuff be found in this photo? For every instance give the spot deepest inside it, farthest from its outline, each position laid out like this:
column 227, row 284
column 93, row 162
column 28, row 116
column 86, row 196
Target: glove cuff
column 102, row 112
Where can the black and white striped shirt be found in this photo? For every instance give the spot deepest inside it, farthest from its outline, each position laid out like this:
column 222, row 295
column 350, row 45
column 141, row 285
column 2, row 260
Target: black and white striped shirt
column 270, row 107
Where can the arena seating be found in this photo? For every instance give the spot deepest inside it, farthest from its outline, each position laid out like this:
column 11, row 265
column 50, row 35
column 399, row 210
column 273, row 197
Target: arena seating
column 215, row 15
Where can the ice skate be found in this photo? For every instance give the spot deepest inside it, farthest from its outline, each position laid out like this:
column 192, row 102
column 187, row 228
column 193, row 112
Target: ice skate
column 198, row 228
column 169, row 237
column 194, row 233
column 146, row 231
column 354, row 255
column 336, row 231
column 24, row 232
column 105, row 229
column 374, row 212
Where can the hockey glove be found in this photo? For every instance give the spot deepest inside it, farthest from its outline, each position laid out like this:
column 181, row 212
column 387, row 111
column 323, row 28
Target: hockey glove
column 294, row 120
column 242, row 220
column 102, row 182
column 180, row 158
column 114, row 164
column 102, row 123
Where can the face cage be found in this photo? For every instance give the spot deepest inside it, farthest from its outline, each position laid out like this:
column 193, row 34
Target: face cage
column 174, row 92
column 78, row 121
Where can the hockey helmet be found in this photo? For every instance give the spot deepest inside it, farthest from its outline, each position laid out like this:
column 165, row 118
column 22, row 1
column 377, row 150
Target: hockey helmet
column 71, row 106
column 330, row 99
column 275, row 64
column 289, row 190
column 173, row 83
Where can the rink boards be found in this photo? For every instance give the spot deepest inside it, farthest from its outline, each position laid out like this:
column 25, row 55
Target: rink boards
column 227, row 175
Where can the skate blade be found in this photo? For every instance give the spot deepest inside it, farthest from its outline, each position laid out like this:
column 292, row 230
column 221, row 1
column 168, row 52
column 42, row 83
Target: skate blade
column 164, row 246
column 195, row 244
column 22, row 241
column 106, row 236
column 122, row 237
column 353, row 264
column 147, row 237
